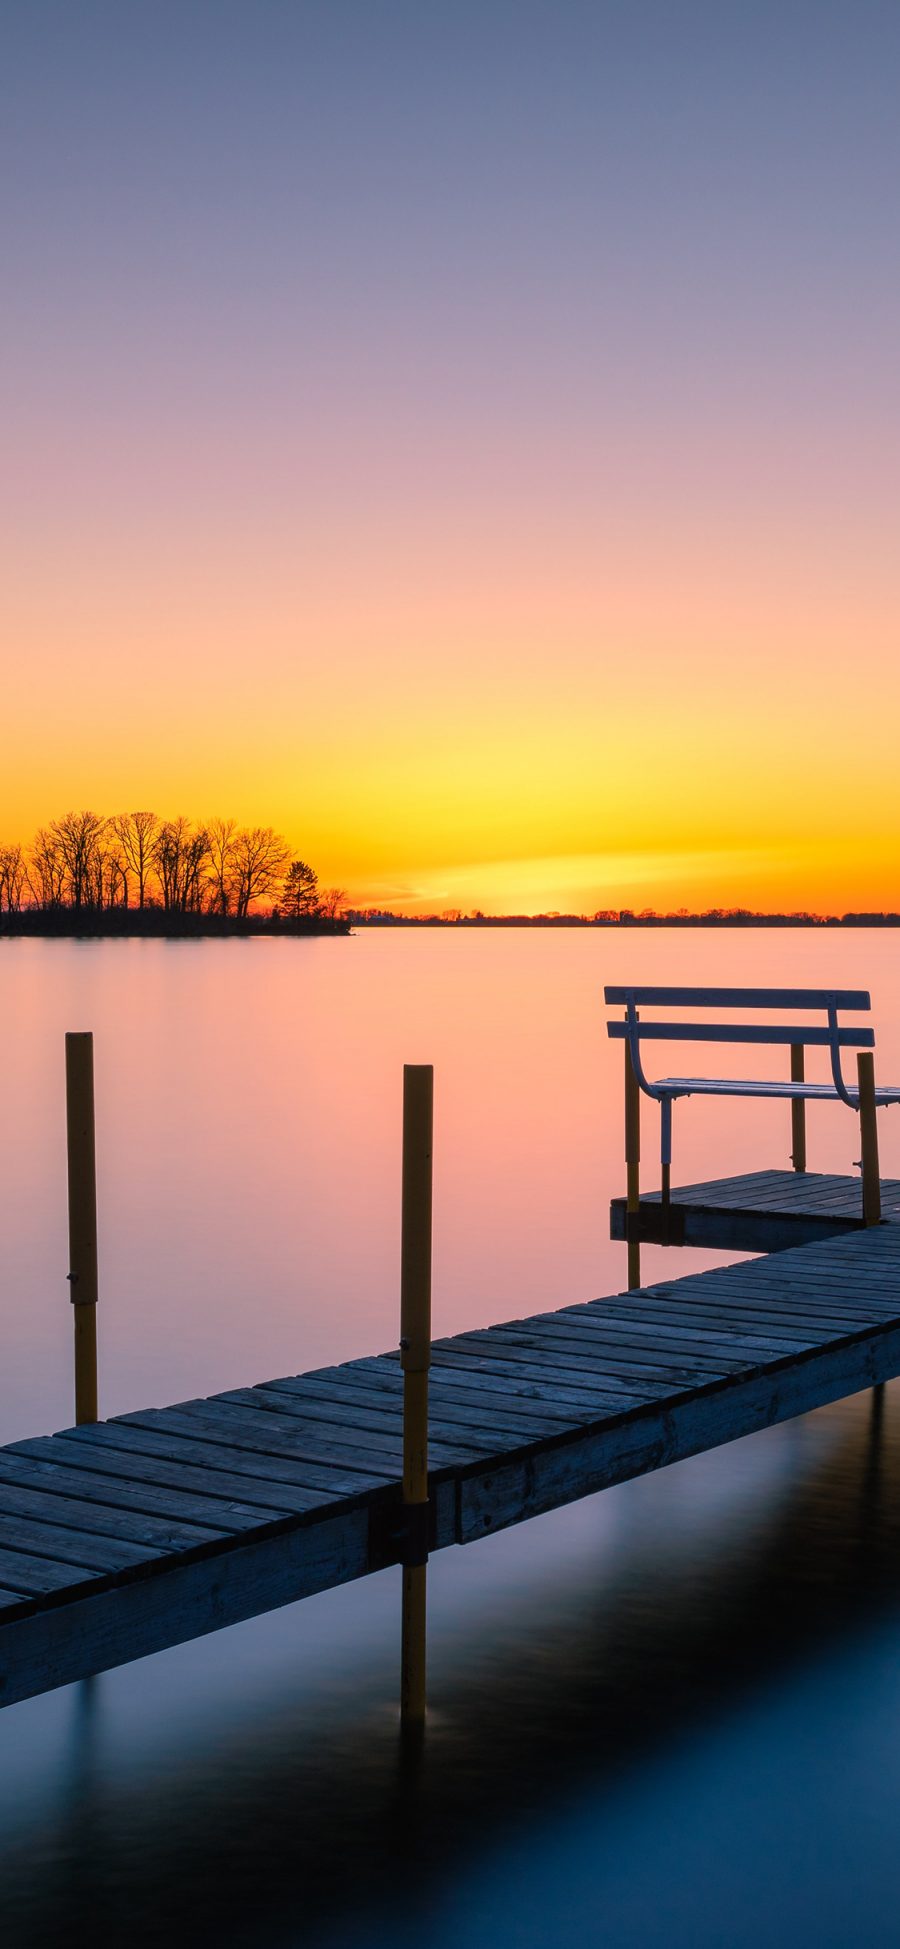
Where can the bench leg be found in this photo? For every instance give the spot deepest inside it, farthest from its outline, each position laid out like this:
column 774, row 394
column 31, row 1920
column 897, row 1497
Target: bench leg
column 665, row 1150
column 798, row 1110
column 632, row 1170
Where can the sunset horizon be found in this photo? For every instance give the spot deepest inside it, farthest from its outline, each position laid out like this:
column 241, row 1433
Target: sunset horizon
column 555, row 564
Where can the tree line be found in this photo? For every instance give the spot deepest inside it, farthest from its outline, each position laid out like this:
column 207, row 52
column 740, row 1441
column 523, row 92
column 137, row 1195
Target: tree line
column 86, row 863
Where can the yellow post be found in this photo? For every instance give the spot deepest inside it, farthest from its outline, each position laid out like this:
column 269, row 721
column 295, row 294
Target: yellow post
column 798, row 1109
column 415, row 1359
column 868, row 1130
column 632, row 1169
column 82, row 1174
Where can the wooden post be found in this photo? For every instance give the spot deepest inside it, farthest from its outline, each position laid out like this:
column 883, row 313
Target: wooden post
column 415, row 1359
column 82, row 1173
column 632, row 1169
column 798, row 1109
column 868, row 1130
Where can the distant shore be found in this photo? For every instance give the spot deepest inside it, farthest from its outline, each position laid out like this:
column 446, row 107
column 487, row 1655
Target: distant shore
column 154, row 924
column 716, row 918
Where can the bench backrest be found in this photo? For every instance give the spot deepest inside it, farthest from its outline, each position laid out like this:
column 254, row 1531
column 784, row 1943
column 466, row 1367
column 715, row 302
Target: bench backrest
column 831, row 1036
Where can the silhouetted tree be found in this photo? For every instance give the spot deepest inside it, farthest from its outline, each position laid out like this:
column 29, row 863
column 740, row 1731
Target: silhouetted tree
column 331, row 902
column 259, row 856
column 13, row 879
column 221, row 835
column 180, row 853
column 78, row 836
column 137, row 834
column 46, row 870
column 110, row 871
column 298, row 896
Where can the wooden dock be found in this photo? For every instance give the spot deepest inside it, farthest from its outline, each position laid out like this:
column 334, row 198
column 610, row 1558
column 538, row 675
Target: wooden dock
column 762, row 1211
column 131, row 1535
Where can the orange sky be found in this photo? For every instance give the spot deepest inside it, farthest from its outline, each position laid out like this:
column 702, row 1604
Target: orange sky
column 510, row 522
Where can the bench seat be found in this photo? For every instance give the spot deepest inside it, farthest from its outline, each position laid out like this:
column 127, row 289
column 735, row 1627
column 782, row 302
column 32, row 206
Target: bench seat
column 737, row 1086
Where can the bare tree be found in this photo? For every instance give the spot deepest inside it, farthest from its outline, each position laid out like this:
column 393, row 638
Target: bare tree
column 47, row 870
column 13, row 879
column 298, row 896
column 180, row 854
column 110, row 871
column 137, row 833
column 221, row 833
column 78, row 836
column 331, row 902
column 259, row 861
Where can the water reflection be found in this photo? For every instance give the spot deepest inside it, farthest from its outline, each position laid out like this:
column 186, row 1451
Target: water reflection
column 671, row 1634
column 666, row 1714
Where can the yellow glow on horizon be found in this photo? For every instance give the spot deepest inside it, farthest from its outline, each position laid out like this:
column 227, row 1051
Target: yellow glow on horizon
column 534, row 721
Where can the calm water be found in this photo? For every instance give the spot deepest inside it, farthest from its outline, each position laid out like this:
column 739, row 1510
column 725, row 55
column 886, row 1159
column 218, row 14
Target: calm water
column 668, row 1714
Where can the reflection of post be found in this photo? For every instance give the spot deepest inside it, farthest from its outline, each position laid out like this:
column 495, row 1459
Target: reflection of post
column 632, row 1169
column 868, row 1130
column 415, row 1359
column 798, row 1110
column 82, row 1174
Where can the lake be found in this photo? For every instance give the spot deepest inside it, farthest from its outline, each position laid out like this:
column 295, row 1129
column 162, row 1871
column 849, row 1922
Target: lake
column 665, row 1714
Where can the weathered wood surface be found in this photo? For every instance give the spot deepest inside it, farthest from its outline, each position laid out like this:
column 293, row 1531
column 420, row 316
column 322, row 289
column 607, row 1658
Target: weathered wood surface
column 761, row 1211
column 121, row 1539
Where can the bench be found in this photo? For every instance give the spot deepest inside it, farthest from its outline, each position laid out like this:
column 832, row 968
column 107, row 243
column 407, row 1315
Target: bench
column 864, row 1098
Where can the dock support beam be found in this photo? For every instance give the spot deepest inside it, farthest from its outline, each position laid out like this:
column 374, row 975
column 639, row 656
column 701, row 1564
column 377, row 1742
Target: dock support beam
column 632, row 1169
column 868, row 1130
column 82, row 1177
column 415, row 1359
column 798, row 1110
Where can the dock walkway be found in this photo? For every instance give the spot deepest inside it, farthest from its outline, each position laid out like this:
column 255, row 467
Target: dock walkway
column 134, row 1534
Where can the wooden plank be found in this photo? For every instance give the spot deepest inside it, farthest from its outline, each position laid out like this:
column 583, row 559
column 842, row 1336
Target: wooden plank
column 230, row 1463
column 74, row 1513
column 571, row 1367
column 796, row 1301
column 235, row 1431
column 447, row 1411
column 823, row 1304
column 389, row 1422
column 689, row 1340
column 633, row 1355
column 641, row 1327
column 173, row 1510
column 804, row 1305
column 569, row 1392
column 36, row 1536
column 38, row 1576
column 449, row 1385
column 148, row 1466
column 352, row 1427
column 863, row 1282
column 746, row 1311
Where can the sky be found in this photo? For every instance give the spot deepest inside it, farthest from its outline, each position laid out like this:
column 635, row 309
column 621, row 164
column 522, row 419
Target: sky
column 464, row 436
